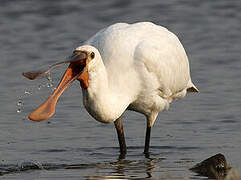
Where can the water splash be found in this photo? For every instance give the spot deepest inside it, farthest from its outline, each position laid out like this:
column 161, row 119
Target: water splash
column 50, row 83
column 23, row 166
column 145, row 167
column 36, row 165
column 33, row 91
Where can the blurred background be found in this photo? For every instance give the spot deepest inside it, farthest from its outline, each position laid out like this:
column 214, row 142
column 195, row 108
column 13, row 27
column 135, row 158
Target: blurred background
column 34, row 33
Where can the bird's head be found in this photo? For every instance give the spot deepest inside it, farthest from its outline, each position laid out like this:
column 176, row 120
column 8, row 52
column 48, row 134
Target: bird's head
column 89, row 63
column 82, row 59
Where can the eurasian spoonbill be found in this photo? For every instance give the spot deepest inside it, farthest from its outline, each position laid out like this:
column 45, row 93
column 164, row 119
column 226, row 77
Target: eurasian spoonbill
column 141, row 67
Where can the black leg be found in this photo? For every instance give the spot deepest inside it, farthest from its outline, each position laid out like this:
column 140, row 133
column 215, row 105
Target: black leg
column 147, row 141
column 121, row 137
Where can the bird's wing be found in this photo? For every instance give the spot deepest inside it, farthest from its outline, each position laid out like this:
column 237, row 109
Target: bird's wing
column 165, row 63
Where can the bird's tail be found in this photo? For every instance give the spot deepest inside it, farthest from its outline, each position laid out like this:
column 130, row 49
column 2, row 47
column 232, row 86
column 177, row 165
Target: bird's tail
column 192, row 87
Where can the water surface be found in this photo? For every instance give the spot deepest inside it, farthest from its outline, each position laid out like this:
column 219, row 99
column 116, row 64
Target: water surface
column 72, row 145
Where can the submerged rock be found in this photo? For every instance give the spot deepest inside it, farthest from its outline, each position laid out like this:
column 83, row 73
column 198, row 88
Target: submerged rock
column 213, row 167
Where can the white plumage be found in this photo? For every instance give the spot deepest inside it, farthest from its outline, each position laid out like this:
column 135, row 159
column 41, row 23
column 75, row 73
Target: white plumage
column 140, row 67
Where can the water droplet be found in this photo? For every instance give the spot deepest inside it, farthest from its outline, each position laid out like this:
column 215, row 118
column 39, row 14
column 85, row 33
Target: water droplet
column 48, row 77
column 27, row 92
column 39, row 87
column 49, row 85
column 18, row 110
column 20, row 102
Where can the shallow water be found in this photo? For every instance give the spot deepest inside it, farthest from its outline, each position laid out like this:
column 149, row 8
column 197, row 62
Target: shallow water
column 71, row 145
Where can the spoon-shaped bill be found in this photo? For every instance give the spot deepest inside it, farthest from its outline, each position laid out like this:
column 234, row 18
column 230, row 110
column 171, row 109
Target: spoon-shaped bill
column 47, row 108
column 32, row 75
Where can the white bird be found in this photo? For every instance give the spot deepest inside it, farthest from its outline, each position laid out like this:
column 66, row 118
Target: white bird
column 141, row 67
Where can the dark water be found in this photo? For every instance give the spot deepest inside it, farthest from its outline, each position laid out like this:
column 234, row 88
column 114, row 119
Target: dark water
column 72, row 145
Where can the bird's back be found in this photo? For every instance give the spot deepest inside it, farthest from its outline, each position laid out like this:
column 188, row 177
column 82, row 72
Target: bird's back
column 121, row 39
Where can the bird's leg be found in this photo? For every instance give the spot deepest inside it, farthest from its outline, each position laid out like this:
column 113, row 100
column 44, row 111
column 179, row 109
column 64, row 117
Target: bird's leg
column 121, row 136
column 147, row 140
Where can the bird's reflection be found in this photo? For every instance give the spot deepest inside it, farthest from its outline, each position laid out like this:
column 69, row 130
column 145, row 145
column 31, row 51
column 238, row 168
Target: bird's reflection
column 128, row 169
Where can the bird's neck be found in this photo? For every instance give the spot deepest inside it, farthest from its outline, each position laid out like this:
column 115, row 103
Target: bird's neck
column 103, row 99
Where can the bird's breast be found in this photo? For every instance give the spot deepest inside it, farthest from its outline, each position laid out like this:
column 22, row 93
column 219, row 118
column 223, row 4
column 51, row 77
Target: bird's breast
column 100, row 110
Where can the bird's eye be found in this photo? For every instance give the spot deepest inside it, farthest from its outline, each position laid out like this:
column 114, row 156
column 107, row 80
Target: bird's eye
column 92, row 55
